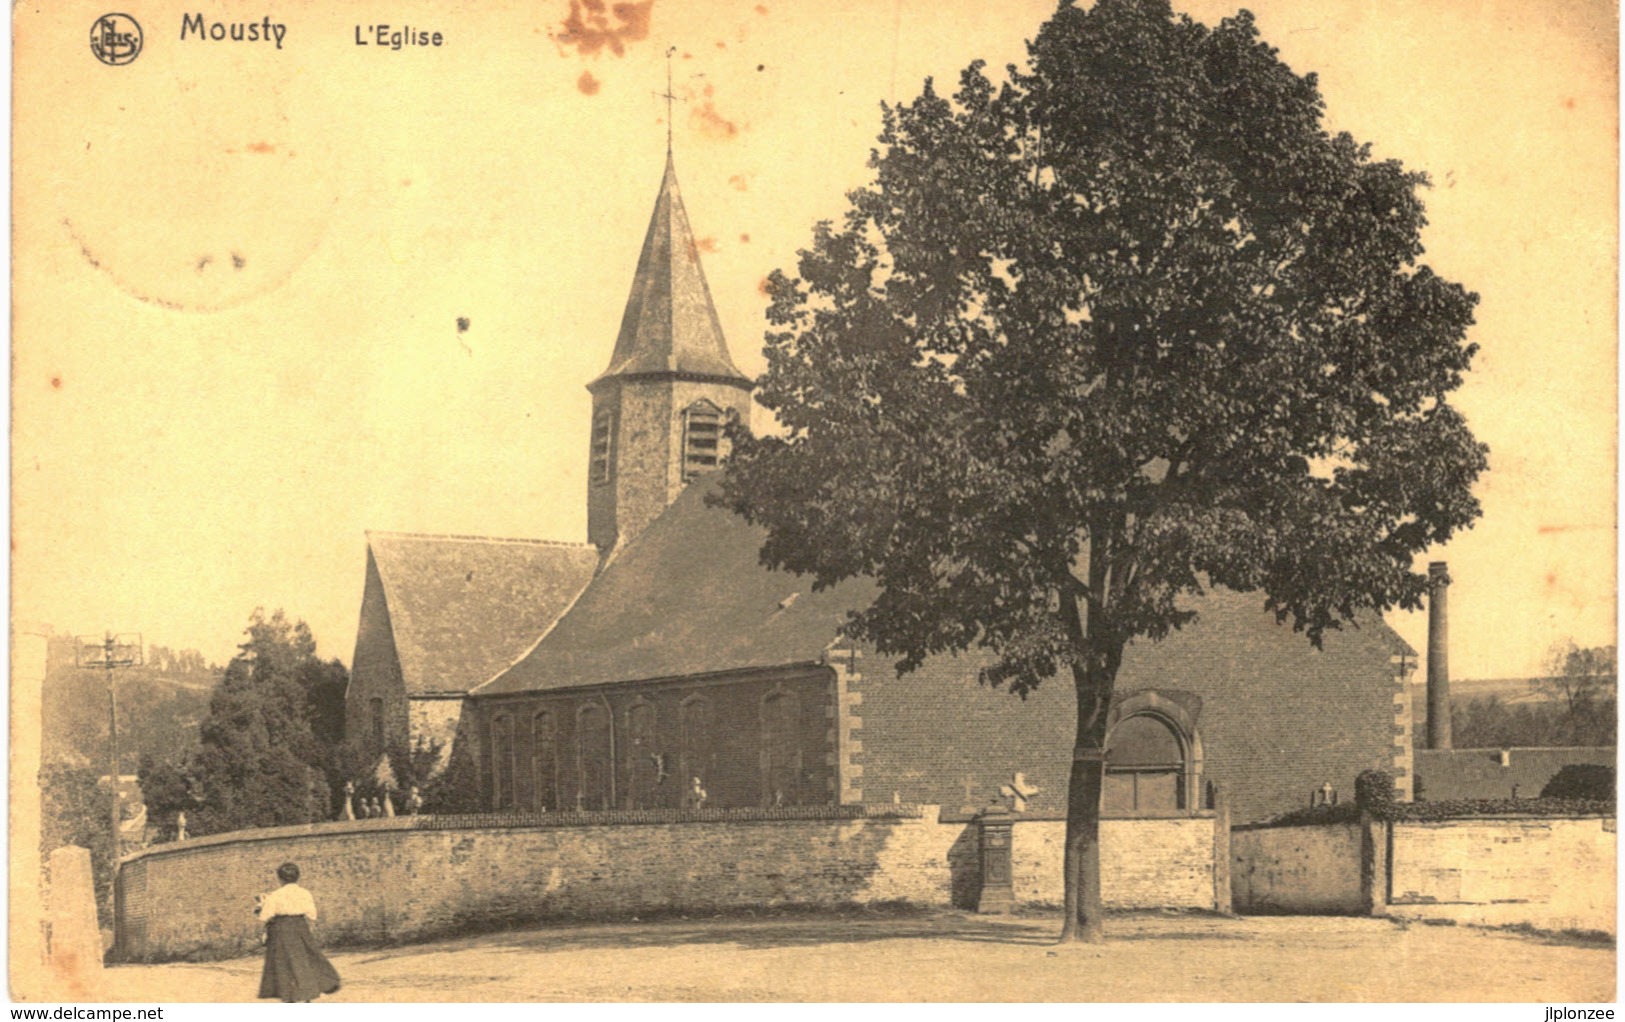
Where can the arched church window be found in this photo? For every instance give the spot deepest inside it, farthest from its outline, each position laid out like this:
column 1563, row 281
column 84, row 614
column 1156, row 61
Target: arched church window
column 375, row 712
column 781, row 749
column 544, row 746
column 702, row 438
column 645, row 763
column 502, row 764
column 594, row 763
column 696, row 748
column 1145, row 767
column 603, row 445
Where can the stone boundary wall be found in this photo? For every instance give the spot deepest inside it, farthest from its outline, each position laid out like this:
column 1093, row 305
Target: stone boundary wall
column 1313, row 870
column 1550, row 872
column 412, row 878
column 1155, row 862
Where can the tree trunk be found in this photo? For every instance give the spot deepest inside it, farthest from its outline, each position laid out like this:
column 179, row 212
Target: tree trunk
column 1081, row 863
column 1082, row 857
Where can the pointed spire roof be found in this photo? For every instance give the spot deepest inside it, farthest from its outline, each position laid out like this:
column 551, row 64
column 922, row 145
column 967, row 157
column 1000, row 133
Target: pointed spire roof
column 670, row 325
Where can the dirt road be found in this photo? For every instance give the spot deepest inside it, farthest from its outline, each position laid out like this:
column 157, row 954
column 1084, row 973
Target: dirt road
column 942, row 956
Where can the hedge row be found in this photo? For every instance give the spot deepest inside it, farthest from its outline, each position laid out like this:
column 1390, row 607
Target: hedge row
column 1450, row 809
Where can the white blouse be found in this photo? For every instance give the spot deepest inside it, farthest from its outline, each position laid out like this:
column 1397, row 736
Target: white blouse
column 288, row 900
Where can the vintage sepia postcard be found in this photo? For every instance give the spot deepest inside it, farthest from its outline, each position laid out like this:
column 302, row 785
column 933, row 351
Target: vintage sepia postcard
column 871, row 500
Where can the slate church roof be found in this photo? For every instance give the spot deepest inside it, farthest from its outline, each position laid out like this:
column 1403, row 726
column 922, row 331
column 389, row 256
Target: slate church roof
column 670, row 325
column 689, row 597
column 462, row 608
column 686, row 597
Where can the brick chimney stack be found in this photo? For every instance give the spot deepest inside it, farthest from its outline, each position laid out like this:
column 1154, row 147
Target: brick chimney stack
column 1438, row 656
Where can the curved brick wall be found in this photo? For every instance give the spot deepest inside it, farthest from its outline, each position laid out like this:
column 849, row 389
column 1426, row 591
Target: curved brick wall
column 415, row 877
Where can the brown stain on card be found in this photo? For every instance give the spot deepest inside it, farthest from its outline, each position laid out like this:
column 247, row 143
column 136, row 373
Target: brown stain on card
column 56, row 382
column 593, row 26
column 587, row 84
column 709, row 122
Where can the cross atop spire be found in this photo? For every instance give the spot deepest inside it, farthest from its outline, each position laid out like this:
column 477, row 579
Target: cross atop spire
column 668, row 96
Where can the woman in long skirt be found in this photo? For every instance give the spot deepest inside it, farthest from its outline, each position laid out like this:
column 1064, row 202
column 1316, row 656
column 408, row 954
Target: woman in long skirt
column 295, row 968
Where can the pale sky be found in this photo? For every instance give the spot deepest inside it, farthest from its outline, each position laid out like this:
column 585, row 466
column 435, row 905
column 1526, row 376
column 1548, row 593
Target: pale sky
column 239, row 268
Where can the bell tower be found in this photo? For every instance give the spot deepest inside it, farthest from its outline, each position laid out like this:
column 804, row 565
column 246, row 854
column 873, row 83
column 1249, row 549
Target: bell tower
column 659, row 408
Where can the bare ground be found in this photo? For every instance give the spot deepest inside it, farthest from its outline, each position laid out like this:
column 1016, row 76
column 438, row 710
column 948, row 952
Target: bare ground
column 941, row 956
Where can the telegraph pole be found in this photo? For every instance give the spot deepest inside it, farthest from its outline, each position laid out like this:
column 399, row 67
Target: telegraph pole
column 110, row 653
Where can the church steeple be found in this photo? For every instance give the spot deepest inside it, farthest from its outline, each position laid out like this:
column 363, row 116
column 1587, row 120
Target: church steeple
column 670, row 383
column 670, row 325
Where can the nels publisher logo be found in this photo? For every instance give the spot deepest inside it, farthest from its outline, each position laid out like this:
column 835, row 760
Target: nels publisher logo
column 115, row 39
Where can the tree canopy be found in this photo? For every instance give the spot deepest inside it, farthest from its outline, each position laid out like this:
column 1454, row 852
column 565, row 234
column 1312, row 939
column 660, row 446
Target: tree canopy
column 1584, row 684
column 1123, row 325
column 268, row 742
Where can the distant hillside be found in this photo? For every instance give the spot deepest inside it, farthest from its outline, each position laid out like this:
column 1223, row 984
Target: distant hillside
column 160, row 706
column 1508, row 690
column 1511, row 691
column 1514, row 713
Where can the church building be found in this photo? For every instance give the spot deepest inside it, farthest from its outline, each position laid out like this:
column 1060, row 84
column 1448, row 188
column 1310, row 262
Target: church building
column 660, row 658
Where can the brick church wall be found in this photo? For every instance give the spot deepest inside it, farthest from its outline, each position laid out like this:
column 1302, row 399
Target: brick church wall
column 1278, row 717
column 415, row 877
column 731, row 768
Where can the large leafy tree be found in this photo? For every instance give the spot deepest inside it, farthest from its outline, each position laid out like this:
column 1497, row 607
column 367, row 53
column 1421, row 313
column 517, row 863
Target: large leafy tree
column 268, row 743
column 1126, row 325
column 1584, row 684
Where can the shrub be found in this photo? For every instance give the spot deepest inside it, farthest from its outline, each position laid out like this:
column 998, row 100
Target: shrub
column 1581, row 780
column 1374, row 790
column 1449, row 809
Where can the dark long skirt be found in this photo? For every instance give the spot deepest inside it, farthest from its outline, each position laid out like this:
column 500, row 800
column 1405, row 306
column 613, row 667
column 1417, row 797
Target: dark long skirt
column 295, row 968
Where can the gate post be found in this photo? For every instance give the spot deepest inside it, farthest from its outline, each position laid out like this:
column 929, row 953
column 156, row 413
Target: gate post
column 998, row 885
column 1376, row 837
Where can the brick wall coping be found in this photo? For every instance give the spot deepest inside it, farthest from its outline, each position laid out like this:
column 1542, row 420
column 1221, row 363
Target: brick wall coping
column 516, row 821
column 1577, row 749
column 1497, row 817
column 1059, row 815
column 1452, row 821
